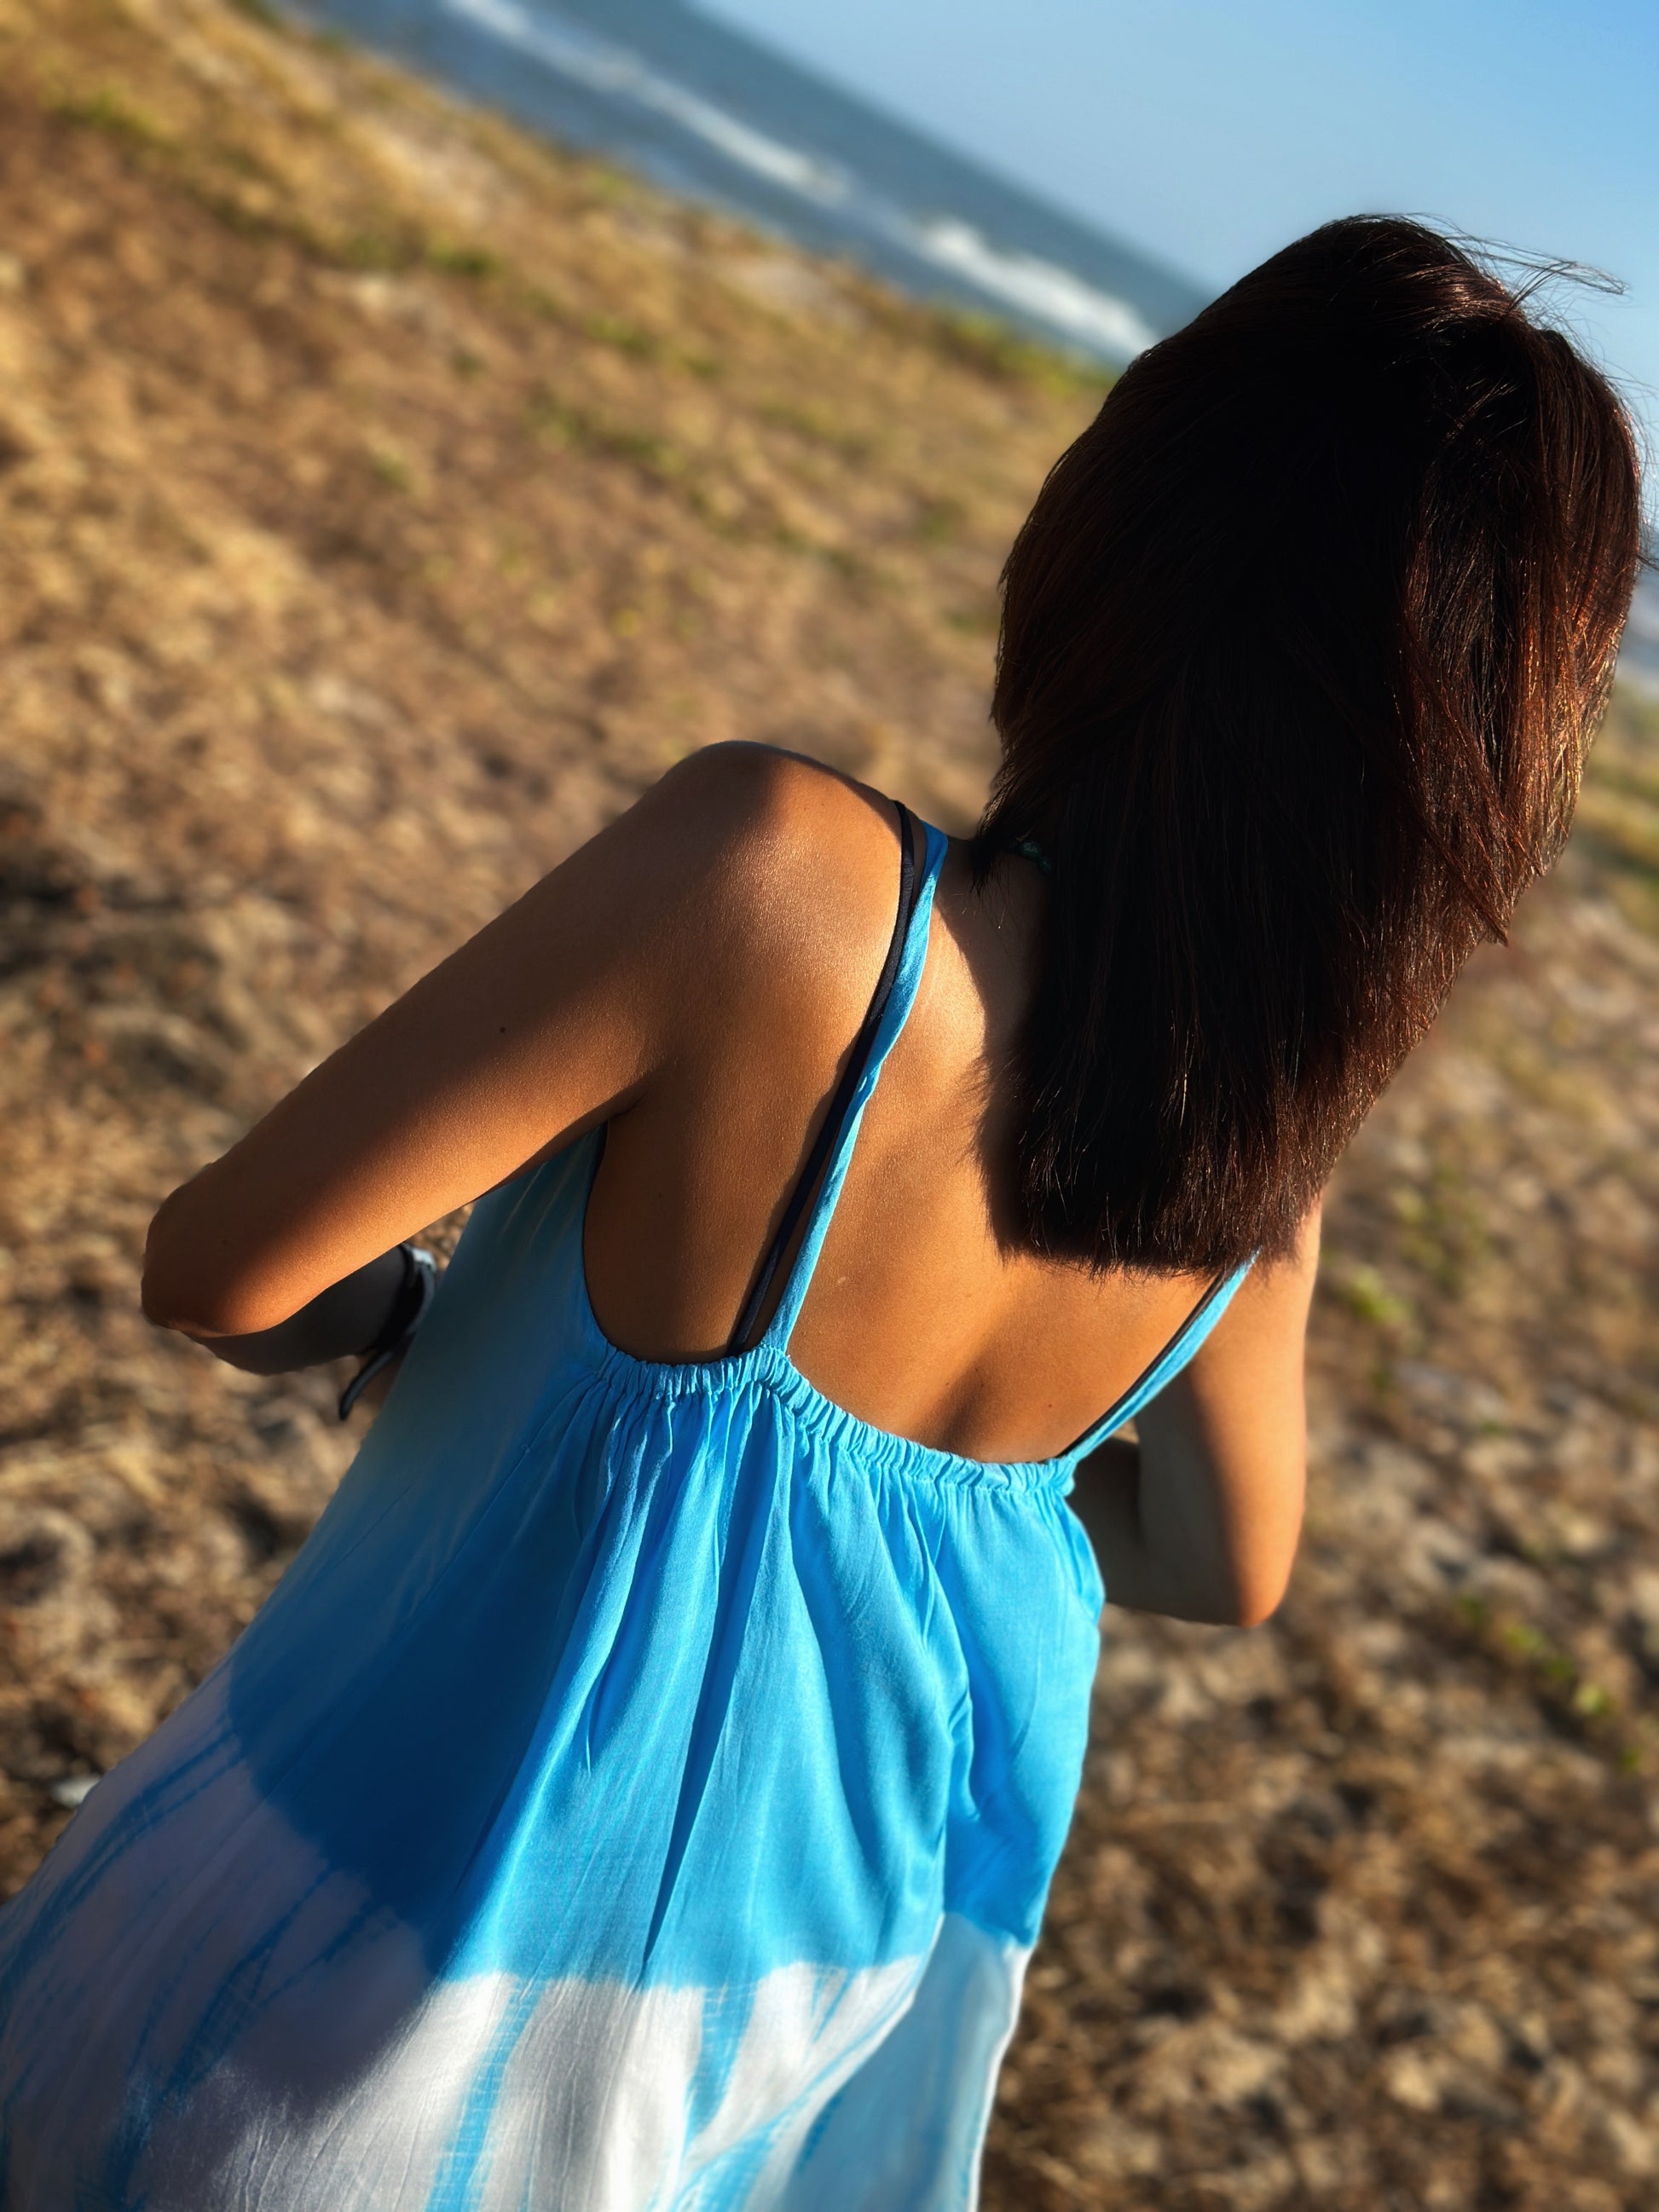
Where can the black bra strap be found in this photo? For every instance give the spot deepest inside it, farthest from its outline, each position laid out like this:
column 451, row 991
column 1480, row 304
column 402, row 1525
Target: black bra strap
column 841, row 1103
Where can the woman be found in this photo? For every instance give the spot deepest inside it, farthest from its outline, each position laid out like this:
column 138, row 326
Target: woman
column 643, row 1789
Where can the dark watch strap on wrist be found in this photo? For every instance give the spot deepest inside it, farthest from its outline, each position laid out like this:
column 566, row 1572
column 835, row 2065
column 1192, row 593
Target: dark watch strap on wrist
column 398, row 1331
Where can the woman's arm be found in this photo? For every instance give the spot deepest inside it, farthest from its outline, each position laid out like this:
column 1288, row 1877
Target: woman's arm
column 339, row 1323
column 1200, row 1519
column 554, row 1018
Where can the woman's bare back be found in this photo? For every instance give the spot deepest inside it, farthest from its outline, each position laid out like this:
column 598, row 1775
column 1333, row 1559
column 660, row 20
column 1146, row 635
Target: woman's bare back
column 928, row 1314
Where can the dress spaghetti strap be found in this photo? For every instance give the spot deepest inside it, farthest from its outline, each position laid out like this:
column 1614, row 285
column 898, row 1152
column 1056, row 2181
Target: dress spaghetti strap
column 1168, row 1364
column 840, row 1105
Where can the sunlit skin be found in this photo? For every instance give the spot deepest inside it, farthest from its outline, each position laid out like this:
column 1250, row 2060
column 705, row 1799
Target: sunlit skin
column 693, row 978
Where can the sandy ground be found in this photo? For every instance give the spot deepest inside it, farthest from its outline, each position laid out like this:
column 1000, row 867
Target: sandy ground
column 384, row 499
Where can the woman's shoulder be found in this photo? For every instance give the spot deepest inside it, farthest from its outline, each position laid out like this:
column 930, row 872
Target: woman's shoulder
column 752, row 805
column 792, row 870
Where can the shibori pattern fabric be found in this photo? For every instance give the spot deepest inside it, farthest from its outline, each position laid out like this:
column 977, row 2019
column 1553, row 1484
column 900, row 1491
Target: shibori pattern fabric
column 639, row 1794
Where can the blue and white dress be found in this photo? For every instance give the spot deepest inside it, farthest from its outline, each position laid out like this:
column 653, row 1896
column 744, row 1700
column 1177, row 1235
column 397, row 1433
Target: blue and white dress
column 641, row 1791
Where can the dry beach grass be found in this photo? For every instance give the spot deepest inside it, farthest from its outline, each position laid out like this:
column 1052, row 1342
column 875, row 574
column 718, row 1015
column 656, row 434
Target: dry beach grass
column 383, row 499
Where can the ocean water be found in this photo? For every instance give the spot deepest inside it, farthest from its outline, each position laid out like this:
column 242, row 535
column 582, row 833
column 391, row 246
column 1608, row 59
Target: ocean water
column 714, row 116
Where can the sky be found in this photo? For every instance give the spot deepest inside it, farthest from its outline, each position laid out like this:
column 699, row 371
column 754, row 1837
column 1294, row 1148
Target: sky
column 1210, row 134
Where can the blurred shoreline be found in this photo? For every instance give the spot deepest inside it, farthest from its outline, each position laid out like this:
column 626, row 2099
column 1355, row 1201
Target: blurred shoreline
column 714, row 117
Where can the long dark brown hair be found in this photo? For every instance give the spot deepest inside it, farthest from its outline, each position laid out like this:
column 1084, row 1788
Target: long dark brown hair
column 1301, row 647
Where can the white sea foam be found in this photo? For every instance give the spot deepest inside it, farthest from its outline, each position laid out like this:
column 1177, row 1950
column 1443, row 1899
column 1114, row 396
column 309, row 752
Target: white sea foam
column 612, row 70
column 1042, row 289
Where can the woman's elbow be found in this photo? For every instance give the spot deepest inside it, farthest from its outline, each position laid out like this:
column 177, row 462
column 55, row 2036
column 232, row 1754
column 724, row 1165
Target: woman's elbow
column 185, row 1287
column 1256, row 1608
column 164, row 1289
column 1257, row 1591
